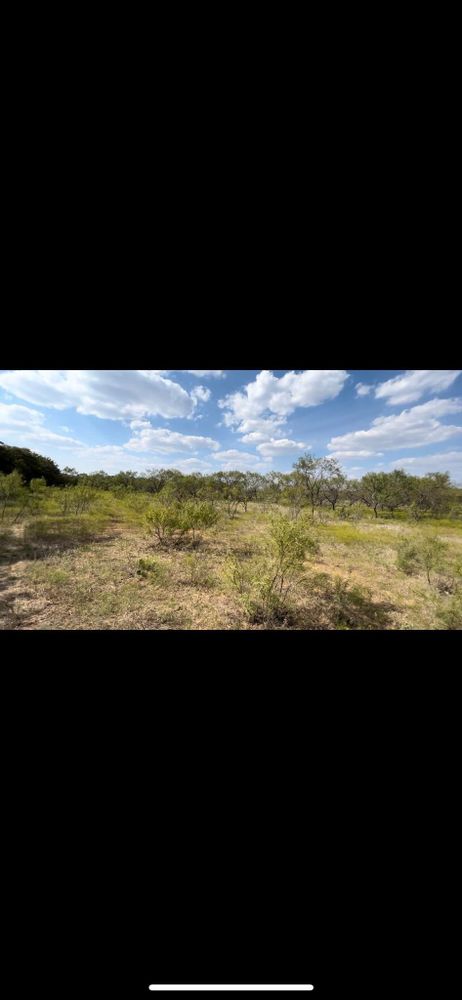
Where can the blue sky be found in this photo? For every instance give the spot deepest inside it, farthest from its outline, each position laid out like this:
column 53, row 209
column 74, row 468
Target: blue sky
column 211, row 419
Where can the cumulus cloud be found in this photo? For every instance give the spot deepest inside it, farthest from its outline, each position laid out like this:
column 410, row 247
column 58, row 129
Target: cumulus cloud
column 281, row 446
column 198, row 372
column 164, row 441
column 109, row 394
column 205, row 372
column 268, row 397
column 412, row 428
column 232, row 459
column 419, row 465
column 20, row 424
column 201, row 394
column 363, row 390
column 414, row 384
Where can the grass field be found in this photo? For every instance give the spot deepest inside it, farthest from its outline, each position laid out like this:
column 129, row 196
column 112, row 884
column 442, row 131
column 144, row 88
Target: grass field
column 104, row 571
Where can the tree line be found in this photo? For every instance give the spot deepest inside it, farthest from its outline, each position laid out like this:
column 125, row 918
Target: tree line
column 313, row 484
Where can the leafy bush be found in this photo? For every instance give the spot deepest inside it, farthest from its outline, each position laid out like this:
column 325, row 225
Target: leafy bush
column 450, row 615
column 150, row 569
column 423, row 555
column 77, row 499
column 199, row 516
column 348, row 603
column 13, row 497
column 264, row 584
column 172, row 521
column 408, row 557
column 166, row 521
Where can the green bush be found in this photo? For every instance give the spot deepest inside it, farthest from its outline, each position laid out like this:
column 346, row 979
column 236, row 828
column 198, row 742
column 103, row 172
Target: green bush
column 13, row 497
column 450, row 615
column 264, row 584
column 424, row 555
column 349, row 603
column 172, row 521
column 77, row 499
column 166, row 521
column 408, row 557
column 150, row 569
column 199, row 516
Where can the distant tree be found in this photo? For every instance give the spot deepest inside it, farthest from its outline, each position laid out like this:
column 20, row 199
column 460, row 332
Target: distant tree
column 333, row 490
column 313, row 474
column 12, row 492
column 374, row 490
column 29, row 465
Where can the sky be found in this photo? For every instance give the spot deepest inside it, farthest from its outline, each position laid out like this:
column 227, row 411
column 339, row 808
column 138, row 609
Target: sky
column 210, row 419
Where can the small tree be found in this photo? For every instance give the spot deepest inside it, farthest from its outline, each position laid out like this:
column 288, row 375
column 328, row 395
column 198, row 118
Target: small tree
column 374, row 490
column 432, row 555
column 313, row 474
column 199, row 516
column 12, row 493
column 265, row 583
column 38, row 491
column 290, row 541
column 166, row 521
column 333, row 490
column 422, row 555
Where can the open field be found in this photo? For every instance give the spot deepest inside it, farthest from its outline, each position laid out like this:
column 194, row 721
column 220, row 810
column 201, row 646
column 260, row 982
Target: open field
column 105, row 570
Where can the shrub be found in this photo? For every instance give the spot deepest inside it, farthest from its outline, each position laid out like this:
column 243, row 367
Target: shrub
column 199, row 516
column 424, row 555
column 264, row 584
column 172, row 521
column 450, row 615
column 349, row 604
column 198, row 571
column 408, row 557
column 166, row 521
column 13, row 496
column 150, row 569
column 77, row 499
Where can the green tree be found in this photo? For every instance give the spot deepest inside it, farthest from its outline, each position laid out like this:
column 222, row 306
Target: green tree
column 313, row 474
column 12, row 493
column 421, row 555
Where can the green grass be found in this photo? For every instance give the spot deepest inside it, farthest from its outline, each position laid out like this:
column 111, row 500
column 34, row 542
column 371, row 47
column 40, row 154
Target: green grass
column 345, row 534
column 101, row 570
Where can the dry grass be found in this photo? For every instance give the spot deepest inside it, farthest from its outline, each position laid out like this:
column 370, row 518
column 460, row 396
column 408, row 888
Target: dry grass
column 121, row 579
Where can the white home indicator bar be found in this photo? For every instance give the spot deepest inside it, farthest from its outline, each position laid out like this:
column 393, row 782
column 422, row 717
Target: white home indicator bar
column 197, row 989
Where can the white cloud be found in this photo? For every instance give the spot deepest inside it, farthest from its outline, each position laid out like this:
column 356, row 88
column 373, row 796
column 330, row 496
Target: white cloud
column 109, row 394
column 363, row 390
column 414, row 384
column 205, row 372
column 162, row 440
column 355, row 453
column 260, row 430
column 21, row 426
column 281, row 446
column 201, row 394
column 232, row 459
column 446, row 461
column 412, row 428
column 198, row 372
column 280, row 396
